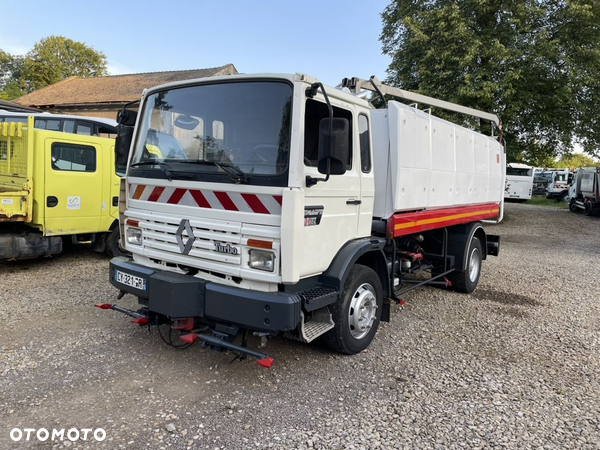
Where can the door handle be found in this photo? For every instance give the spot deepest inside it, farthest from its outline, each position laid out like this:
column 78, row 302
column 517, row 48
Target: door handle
column 353, row 202
column 51, row 201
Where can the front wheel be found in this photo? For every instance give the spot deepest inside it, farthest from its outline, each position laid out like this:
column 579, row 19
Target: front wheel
column 573, row 206
column 562, row 197
column 466, row 280
column 356, row 312
column 113, row 244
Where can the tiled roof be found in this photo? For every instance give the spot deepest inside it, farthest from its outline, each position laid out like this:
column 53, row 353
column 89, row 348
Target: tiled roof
column 112, row 89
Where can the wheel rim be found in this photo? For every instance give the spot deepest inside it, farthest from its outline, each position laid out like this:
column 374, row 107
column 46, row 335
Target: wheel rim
column 474, row 263
column 362, row 312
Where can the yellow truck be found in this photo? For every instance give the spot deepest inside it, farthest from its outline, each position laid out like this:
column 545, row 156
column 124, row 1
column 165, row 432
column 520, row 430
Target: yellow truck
column 56, row 186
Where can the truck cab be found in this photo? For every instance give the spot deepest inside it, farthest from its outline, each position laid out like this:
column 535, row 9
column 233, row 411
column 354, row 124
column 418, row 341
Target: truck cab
column 584, row 193
column 558, row 186
column 54, row 186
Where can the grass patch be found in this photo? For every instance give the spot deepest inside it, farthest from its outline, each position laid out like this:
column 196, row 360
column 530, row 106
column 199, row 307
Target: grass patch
column 541, row 200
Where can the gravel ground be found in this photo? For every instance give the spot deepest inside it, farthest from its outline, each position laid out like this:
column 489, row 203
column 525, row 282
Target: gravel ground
column 516, row 364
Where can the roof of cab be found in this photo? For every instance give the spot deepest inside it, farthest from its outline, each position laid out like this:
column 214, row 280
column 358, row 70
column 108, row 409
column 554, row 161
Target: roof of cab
column 298, row 77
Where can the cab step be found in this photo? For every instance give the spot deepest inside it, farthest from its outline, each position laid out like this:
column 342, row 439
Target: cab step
column 319, row 324
column 318, row 297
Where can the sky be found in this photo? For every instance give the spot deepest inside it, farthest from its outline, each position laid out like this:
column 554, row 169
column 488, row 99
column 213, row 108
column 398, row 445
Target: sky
column 329, row 40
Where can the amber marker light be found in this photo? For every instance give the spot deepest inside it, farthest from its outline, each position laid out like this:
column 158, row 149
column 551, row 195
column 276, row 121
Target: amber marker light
column 259, row 244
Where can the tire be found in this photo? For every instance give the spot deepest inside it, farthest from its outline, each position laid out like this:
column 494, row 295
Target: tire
column 113, row 244
column 572, row 206
column 466, row 280
column 362, row 289
column 588, row 209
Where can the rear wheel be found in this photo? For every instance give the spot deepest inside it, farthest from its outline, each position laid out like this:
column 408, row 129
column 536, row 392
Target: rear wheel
column 356, row 313
column 588, row 209
column 466, row 280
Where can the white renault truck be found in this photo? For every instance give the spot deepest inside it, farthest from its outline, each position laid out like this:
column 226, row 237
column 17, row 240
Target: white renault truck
column 271, row 204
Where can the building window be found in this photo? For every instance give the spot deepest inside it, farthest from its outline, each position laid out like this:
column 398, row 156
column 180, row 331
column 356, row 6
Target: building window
column 73, row 158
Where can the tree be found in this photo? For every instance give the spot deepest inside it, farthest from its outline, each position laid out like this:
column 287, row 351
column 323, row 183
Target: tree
column 577, row 160
column 51, row 60
column 11, row 68
column 535, row 63
column 56, row 58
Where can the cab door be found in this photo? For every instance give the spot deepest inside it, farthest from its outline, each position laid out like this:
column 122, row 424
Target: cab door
column 332, row 207
column 72, row 187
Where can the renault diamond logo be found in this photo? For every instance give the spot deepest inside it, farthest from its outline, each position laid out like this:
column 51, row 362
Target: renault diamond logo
column 186, row 246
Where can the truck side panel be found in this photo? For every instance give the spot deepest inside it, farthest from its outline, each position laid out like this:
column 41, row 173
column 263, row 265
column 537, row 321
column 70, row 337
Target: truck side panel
column 430, row 163
column 16, row 168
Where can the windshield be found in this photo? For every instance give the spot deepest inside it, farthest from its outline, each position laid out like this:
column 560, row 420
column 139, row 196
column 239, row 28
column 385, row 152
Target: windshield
column 210, row 132
column 560, row 177
column 519, row 172
column 543, row 177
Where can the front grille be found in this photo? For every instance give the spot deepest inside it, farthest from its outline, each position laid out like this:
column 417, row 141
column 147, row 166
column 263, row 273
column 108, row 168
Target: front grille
column 159, row 238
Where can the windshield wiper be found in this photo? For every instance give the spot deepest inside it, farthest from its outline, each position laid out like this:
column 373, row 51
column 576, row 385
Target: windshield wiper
column 163, row 166
column 237, row 175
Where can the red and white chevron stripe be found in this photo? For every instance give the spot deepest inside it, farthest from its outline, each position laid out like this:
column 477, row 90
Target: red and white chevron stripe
column 202, row 198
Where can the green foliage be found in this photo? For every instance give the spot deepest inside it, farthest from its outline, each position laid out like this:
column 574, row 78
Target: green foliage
column 51, row 60
column 11, row 68
column 577, row 160
column 535, row 63
column 546, row 161
column 541, row 200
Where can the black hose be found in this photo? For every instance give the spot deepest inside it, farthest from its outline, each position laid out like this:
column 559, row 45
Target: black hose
column 170, row 341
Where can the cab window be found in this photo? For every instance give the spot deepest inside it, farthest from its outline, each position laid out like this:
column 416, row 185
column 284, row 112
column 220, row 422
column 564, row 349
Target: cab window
column 84, row 129
column 73, row 158
column 315, row 111
column 365, row 147
column 69, row 126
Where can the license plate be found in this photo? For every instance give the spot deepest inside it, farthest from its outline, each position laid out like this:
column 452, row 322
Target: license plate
column 130, row 280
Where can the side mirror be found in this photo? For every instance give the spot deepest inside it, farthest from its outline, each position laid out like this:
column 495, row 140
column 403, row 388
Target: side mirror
column 123, row 143
column 334, row 146
column 126, row 119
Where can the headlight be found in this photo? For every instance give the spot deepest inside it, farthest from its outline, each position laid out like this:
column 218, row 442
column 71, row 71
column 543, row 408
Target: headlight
column 261, row 260
column 134, row 236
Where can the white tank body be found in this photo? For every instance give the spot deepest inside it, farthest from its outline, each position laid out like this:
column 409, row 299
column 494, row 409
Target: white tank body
column 423, row 162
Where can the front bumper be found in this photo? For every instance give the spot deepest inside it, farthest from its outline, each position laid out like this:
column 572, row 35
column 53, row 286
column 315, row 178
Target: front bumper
column 182, row 296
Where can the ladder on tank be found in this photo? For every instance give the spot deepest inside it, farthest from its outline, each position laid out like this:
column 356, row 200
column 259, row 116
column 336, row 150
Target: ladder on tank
column 357, row 85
